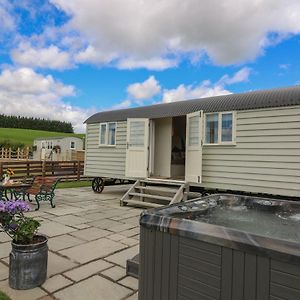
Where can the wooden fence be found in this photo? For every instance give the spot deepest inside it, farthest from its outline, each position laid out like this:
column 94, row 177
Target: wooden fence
column 66, row 170
column 8, row 153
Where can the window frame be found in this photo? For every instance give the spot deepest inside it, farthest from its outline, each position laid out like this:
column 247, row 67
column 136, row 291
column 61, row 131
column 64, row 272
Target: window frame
column 220, row 142
column 72, row 148
column 106, row 134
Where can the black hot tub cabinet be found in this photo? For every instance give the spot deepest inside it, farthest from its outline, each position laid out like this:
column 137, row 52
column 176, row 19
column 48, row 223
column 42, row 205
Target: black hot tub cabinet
column 183, row 258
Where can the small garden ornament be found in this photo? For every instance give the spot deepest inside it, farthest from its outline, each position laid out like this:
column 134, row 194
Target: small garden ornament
column 29, row 256
column 7, row 175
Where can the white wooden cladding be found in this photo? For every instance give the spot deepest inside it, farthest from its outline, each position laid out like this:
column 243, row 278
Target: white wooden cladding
column 265, row 159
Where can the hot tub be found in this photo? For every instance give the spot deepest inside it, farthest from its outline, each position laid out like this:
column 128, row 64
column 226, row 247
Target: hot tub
column 221, row 246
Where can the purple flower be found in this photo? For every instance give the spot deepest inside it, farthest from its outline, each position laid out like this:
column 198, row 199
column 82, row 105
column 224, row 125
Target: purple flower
column 14, row 206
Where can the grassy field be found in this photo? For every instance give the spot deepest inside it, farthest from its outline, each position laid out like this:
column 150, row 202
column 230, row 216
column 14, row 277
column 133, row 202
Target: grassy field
column 26, row 136
column 73, row 184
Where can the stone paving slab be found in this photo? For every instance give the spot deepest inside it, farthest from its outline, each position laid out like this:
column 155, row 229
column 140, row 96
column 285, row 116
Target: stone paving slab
column 32, row 294
column 5, row 249
column 69, row 220
column 56, row 282
column 115, row 273
column 90, row 239
column 90, row 234
column 120, row 258
column 87, row 270
column 63, row 242
column 52, row 229
column 130, row 282
column 58, row 264
column 92, row 250
column 93, row 288
column 3, row 271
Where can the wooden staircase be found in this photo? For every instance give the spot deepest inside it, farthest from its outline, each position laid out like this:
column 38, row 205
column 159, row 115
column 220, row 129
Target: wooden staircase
column 151, row 193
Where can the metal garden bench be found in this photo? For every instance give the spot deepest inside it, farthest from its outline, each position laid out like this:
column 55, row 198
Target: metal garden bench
column 43, row 190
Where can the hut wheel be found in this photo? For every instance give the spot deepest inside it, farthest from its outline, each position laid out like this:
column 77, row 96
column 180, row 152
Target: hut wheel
column 98, row 185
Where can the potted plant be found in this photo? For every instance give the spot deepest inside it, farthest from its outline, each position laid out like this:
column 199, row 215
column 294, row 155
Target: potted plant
column 29, row 255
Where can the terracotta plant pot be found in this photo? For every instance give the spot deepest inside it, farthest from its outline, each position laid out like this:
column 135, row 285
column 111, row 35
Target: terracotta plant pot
column 28, row 264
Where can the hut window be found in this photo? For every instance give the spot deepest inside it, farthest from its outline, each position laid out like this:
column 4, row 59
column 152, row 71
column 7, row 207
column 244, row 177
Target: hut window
column 137, row 134
column 194, row 131
column 102, row 134
column 72, row 146
column 219, row 128
column 226, row 127
column 211, row 128
column 111, row 133
column 107, row 135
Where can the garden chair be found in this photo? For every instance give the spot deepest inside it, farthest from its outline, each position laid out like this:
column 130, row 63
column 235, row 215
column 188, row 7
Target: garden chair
column 43, row 190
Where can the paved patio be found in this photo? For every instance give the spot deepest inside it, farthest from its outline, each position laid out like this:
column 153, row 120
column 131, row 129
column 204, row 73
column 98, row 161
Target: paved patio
column 90, row 239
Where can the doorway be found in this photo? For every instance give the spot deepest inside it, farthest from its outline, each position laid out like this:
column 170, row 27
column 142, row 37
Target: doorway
column 167, row 148
column 178, row 147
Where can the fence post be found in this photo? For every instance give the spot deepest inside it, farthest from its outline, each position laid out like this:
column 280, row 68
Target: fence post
column 43, row 167
column 78, row 170
column 9, row 153
column 27, row 169
column 1, row 169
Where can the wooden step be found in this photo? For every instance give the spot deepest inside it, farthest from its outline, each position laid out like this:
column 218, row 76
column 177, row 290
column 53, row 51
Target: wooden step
column 157, row 197
column 142, row 203
column 162, row 181
column 156, row 188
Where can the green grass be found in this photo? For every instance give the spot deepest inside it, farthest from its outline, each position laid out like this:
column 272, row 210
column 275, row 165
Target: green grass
column 26, row 136
column 73, row 184
column 4, row 296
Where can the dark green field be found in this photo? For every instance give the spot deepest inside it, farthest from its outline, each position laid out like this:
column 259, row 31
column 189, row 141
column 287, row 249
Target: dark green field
column 26, row 136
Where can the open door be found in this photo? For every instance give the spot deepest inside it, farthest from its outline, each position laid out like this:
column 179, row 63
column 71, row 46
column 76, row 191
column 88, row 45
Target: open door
column 137, row 153
column 193, row 162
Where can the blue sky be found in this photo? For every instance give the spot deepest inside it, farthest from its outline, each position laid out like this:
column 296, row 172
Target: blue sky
column 66, row 59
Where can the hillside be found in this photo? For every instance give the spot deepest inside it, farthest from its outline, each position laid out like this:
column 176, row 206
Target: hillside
column 26, row 136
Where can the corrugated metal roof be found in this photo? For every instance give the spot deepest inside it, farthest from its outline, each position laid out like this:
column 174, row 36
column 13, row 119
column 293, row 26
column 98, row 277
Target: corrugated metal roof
column 289, row 96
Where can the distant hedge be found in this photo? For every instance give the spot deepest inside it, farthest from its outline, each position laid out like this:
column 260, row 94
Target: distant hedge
column 35, row 123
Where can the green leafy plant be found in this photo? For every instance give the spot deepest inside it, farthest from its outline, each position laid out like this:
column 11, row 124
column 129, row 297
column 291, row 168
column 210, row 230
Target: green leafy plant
column 20, row 228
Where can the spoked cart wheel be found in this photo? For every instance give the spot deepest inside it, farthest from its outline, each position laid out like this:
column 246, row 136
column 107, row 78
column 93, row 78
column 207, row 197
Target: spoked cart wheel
column 98, row 185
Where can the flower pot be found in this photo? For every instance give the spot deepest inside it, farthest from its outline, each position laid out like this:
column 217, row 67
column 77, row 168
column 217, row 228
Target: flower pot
column 28, row 264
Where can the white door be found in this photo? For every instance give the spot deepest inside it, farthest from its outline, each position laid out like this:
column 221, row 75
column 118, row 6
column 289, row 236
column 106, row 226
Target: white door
column 193, row 161
column 137, row 153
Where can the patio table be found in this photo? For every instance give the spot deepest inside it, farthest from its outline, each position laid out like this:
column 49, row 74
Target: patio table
column 12, row 188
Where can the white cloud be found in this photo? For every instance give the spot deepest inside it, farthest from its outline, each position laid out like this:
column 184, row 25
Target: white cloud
column 202, row 90
column 284, row 66
column 122, row 105
column 147, row 33
column 27, row 93
column 155, row 63
column 50, row 57
column 91, row 55
column 206, row 88
column 144, row 90
column 241, row 76
column 6, row 19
